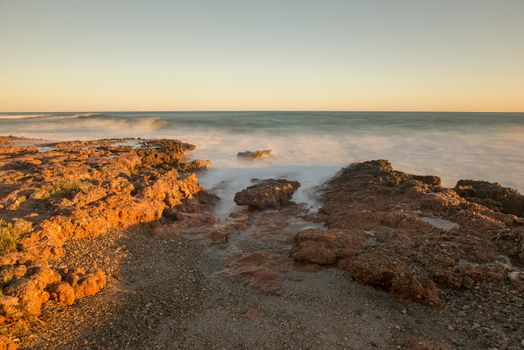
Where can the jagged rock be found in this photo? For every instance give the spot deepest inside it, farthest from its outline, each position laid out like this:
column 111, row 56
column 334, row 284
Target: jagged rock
column 492, row 195
column 89, row 284
column 6, row 343
column 31, row 290
column 264, row 153
column 195, row 165
column 81, row 189
column 270, row 193
column 10, row 273
column 193, row 216
column 378, row 230
column 428, row 179
column 63, row 293
column 9, row 306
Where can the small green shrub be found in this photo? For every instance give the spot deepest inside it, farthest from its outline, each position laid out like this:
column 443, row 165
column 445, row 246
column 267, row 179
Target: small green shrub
column 9, row 236
column 66, row 189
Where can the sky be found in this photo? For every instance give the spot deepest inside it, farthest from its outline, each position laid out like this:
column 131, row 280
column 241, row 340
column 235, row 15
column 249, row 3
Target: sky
column 423, row 55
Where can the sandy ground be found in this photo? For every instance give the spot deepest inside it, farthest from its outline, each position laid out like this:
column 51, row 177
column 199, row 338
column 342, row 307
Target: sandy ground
column 166, row 294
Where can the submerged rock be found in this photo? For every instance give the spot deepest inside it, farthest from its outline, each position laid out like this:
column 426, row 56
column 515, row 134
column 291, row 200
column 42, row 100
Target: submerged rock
column 270, row 193
column 264, row 153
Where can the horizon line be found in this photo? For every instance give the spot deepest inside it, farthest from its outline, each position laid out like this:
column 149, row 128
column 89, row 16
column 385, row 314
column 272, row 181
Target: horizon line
column 262, row 110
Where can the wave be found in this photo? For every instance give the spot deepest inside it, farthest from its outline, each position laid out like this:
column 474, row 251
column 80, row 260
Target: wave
column 47, row 116
column 83, row 128
column 81, row 115
column 21, row 116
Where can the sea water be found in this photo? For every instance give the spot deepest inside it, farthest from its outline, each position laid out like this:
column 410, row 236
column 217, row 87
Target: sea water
column 309, row 146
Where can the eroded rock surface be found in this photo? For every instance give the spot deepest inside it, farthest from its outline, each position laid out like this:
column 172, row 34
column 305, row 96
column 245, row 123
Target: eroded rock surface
column 270, row 193
column 492, row 195
column 194, row 217
column 6, row 343
column 74, row 190
column 378, row 231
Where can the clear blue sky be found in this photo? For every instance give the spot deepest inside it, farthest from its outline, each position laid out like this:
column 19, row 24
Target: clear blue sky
column 264, row 54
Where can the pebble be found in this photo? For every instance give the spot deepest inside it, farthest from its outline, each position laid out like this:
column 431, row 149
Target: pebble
column 403, row 311
column 468, row 282
column 514, row 276
column 451, row 328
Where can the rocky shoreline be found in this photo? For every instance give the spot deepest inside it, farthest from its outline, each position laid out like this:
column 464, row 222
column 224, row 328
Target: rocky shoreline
column 75, row 190
column 129, row 218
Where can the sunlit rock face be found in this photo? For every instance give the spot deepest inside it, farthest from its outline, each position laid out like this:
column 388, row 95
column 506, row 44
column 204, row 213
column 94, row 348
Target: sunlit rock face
column 74, row 190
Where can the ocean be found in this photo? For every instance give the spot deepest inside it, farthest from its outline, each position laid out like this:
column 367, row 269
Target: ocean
column 309, row 146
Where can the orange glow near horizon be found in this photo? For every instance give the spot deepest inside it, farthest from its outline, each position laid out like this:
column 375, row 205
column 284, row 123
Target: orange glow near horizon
column 111, row 99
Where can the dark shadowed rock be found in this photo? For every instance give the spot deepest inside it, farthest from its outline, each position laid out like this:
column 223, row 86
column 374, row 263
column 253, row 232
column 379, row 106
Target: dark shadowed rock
column 492, row 195
column 383, row 170
column 406, row 234
column 264, row 153
column 428, row 179
column 270, row 193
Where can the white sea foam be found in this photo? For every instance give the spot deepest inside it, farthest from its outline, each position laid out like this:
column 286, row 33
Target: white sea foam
column 313, row 159
column 225, row 182
column 447, row 156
